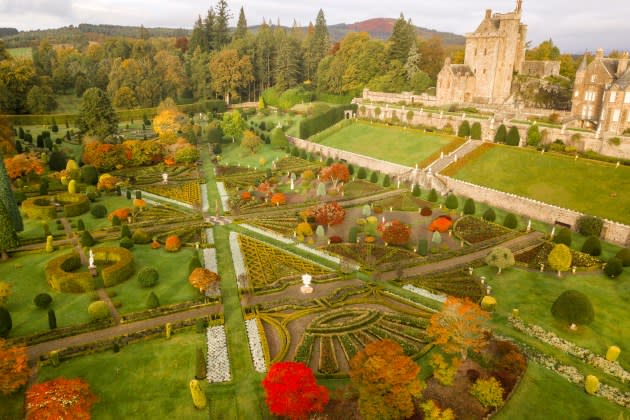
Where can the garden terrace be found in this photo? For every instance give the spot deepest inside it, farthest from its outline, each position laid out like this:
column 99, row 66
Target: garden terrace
column 144, row 175
column 534, row 256
column 587, row 186
column 458, row 283
column 185, row 192
column 296, row 164
column 412, row 146
column 374, row 256
column 47, row 207
column 474, row 230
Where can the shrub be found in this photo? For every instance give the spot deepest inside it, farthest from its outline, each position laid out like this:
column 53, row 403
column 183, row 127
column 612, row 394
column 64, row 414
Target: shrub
column 469, row 206
column 560, row 258
column 98, row 310
column 433, row 196
column 43, row 300
column 464, row 129
column 624, row 256
column 6, row 324
column 563, row 237
column 441, row 224
column 87, row 239
column 451, row 202
column 513, row 137
column 475, row 131
column 140, row 236
column 278, row 199
column 489, row 215
column 613, row 353
column 335, row 239
column 423, row 247
column 416, row 192
column 148, row 277
column 386, row 181
column 488, row 303
column 125, row 232
column 194, row 263
column 116, row 221
column 426, row 211
column 172, row 244
column 573, row 307
column 510, row 221
column 374, row 178
column 533, row 135
column 591, row 384
column 592, row 246
column 80, row 225
column 361, row 173
column 488, row 392
column 52, row 319
column 444, row 371
column 590, row 226
column 501, row 134
column 152, row 301
column 126, row 243
column 613, row 268
column 89, row 175
column 352, row 234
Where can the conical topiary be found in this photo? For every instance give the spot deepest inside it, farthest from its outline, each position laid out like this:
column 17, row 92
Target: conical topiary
column 8, row 199
column 8, row 236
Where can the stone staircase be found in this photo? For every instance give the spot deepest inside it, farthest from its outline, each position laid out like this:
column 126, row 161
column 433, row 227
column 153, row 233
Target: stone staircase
column 462, row 151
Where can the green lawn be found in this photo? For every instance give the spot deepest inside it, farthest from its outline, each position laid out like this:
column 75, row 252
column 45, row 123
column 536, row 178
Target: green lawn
column 587, row 186
column 146, row 380
column 393, row 144
column 543, row 395
column 26, row 275
column 233, row 154
column 21, row 52
column 533, row 293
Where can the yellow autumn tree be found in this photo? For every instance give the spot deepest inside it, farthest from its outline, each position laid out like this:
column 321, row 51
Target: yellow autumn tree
column 168, row 122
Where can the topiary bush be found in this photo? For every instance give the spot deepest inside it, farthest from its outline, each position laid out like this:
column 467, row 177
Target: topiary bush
column 89, row 175
column 501, row 134
column 590, row 226
column 361, row 173
column 592, row 246
column 172, row 244
column 475, row 131
column 464, row 129
column 6, row 324
column 573, row 307
column 433, row 196
column 451, row 202
column 488, row 392
column 126, row 243
column 513, row 137
column 86, row 239
column 125, row 232
column 416, row 192
column 624, row 256
column 148, row 277
column 386, row 181
column 613, row 268
column 140, row 236
column 469, row 206
column 591, row 384
column 563, row 237
column 489, row 215
column 510, row 221
column 43, row 300
column 152, row 301
column 374, row 177
column 98, row 310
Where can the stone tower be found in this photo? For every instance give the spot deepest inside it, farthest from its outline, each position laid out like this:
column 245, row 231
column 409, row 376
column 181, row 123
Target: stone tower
column 494, row 53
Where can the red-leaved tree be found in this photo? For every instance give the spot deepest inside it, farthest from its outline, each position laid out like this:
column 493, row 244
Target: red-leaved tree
column 292, row 391
column 60, row 398
column 329, row 214
column 337, row 172
column 13, row 367
column 395, row 232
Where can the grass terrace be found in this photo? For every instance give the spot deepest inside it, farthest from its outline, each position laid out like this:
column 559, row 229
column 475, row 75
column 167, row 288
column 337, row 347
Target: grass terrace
column 412, row 146
column 587, row 186
column 233, row 154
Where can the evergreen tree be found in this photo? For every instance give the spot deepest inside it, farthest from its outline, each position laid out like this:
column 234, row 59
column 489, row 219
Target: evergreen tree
column 264, row 56
column 198, row 39
column 513, row 137
column 401, row 40
column 97, row 116
column 287, row 60
column 199, row 75
column 501, row 134
column 464, row 129
column 475, row 131
column 8, row 236
column 52, row 319
column 221, row 28
column 319, row 42
column 414, row 59
column 8, row 199
column 241, row 26
column 209, row 30
column 469, row 206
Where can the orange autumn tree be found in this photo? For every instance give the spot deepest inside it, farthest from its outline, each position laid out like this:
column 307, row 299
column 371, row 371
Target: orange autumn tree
column 329, row 214
column 60, row 398
column 23, row 164
column 460, row 326
column 386, row 380
column 14, row 369
column 278, row 199
column 337, row 172
column 203, row 279
column 395, row 232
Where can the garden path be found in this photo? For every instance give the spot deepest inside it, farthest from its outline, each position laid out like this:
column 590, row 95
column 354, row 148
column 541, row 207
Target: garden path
column 463, row 150
column 465, row 260
column 80, row 339
column 102, row 293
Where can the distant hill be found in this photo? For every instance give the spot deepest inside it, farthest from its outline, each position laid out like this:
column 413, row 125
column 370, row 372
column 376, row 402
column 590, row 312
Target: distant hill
column 380, row 28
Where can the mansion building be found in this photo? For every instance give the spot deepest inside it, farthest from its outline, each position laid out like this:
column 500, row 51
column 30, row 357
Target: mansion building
column 601, row 94
column 495, row 52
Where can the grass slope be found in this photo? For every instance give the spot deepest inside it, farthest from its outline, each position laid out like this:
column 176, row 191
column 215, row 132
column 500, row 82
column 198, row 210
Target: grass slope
column 587, row 186
column 392, row 144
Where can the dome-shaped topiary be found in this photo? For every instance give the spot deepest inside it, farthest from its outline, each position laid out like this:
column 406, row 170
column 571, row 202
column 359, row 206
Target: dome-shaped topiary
column 563, row 237
column 140, row 236
column 592, row 246
column 573, row 307
column 98, row 310
column 624, row 257
column 510, row 221
column 613, row 268
column 99, row 211
column 126, row 243
column 489, row 215
column 148, row 277
column 43, row 300
column 5, row 322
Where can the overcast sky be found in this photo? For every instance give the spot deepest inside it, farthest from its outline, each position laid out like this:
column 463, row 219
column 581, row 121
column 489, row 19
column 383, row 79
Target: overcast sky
column 584, row 25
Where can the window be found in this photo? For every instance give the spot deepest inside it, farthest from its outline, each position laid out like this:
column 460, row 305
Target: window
column 613, row 96
column 484, row 71
column 577, row 93
column 485, row 51
column 615, row 115
column 626, row 99
column 593, row 78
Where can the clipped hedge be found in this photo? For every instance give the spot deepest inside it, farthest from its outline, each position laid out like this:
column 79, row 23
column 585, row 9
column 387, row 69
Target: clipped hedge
column 73, row 204
column 313, row 125
column 39, row 208
column 122, row 268
column 42, row 207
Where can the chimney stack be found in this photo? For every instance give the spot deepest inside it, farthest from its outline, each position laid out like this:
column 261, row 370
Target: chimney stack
column 488, row 13
column 599, row 54
column 623, row 64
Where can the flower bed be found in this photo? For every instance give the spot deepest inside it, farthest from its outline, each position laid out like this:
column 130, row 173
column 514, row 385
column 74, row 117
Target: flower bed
column 255, row 345
column 611, row 368
column 188, row 192
column 327, row 358
column 474, row 229
column 218, row 361
column 451, row 283
column 237, row 256
column 535, row 256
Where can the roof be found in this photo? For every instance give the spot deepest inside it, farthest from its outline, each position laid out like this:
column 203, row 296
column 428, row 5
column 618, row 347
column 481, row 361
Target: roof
column 624, row 81
column 461, row 70
column 488, row 25
column 610, row 64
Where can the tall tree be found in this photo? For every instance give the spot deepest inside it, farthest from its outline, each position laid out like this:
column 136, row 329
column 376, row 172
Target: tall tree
column 198, row 38
column 199, row 64
column 401, row 40
column 8, row 199
column 233, row 125
column 17, row 77
column 319, row 43
column 40, row 99
column 292, row 391
column 414, row 60
column 8, row 237
column 230, row 73
column 96, row 115
column 500, row 257
column 221, row 25
column 459, row 327
column 14, row 369
column 43, row 58
column 170, row 71
column 241, row 26
column 264, row 55
column 432, row 56
column 386, row 380
column 287, row 63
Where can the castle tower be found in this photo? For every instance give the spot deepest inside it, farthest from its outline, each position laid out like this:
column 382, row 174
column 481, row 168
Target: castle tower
column 494, row 52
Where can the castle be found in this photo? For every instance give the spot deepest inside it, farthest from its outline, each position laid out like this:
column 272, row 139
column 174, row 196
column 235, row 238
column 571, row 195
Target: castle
column 495, row 52
column 601, row 94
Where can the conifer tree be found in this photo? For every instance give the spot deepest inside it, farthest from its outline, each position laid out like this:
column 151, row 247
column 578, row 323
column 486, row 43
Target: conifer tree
column 8, row 236
column 319, row 42
column 401, row 40
column 8, row 199
column 221, row 28
column 241, row 26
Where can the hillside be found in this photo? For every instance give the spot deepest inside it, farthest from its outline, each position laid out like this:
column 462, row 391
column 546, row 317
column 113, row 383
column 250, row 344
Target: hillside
column 380, row 28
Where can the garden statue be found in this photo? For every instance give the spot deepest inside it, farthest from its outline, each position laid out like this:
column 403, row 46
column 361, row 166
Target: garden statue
column 91, row 260
column 306, row 286
column 529, row 225
column 164, row 178
column 292, row 184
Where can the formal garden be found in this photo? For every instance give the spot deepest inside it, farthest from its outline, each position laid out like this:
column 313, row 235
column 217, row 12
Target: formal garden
column 228, row 274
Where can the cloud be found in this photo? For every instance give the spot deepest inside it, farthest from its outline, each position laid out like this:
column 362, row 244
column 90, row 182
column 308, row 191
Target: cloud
column 58, row 8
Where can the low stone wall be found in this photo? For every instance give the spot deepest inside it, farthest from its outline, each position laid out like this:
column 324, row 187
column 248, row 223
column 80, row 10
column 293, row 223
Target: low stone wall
column 612, row 231
column 581, row 140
